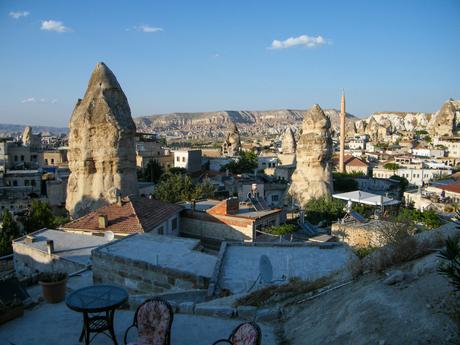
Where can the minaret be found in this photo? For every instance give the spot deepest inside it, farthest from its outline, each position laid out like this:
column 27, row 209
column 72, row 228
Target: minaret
column 342, row 134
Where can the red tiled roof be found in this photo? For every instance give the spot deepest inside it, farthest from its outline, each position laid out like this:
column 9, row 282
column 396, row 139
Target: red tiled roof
column 453, row 187
column 354, row 161
column 135, row 214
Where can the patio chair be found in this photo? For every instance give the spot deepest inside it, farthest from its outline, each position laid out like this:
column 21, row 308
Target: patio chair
column 247, row 333
column 153, row 320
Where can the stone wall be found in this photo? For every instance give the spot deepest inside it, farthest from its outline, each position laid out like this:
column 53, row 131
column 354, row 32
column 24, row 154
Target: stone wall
column 140, row 277
column 29, row 261
column 357, row 235
column 204, row 226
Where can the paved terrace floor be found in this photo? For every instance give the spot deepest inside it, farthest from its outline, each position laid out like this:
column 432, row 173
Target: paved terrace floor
column 55, row 324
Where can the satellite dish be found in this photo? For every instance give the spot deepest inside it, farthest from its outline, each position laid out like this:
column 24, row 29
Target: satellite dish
column 109, row 235
column 266, row 270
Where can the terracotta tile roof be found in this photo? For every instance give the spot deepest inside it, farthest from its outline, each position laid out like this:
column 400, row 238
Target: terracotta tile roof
column 354, row 161
column 453, row 187
column 135, row 214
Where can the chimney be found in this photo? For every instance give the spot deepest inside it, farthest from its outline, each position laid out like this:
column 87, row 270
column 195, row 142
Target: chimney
column 50, row 247
column 103, row 221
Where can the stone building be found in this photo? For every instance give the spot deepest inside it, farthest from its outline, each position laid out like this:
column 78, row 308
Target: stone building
column 102, row 156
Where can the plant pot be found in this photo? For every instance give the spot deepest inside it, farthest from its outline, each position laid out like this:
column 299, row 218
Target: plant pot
column 11, row 314
column 54, row 292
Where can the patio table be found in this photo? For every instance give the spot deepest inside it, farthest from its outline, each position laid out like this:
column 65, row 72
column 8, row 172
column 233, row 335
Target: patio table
column 101, row 300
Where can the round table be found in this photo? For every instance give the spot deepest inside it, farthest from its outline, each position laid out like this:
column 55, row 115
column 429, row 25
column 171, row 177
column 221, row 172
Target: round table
column 99, row 299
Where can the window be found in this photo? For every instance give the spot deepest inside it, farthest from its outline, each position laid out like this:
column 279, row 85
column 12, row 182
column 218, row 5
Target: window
column 32, row 182
column 22, row 158
column 15, row 158
column 183, row 159
column 174, row 224
column 160, row 230
column 46, row 161
column 178, row 158
column 26, row 182
column 52, row 161
column 275, row 197
column 15, row 183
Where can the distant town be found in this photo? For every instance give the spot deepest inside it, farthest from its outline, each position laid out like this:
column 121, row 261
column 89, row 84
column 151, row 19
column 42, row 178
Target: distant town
column 262, row 217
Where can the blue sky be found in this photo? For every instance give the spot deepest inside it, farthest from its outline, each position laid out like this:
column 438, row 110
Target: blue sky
column 228, row 55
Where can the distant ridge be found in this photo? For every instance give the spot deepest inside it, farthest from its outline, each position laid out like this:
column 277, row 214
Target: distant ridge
column 9, row 128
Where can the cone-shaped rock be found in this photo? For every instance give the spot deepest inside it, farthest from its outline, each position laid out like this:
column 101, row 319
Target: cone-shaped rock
column 288, row 146
column 445, row 120
column 102, row 156
column 313, row 177
column 232, row 143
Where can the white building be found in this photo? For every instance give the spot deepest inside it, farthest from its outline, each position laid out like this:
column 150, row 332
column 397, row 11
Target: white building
column 415, row 176
column 452, row 145
column 188, row 159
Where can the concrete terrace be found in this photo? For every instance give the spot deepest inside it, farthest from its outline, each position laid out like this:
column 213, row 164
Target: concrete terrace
column 55, row 324
column 163, row 251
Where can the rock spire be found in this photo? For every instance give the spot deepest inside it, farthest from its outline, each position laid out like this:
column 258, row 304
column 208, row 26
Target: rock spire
column 102, row 157
column 313, row 176
column 232, row 143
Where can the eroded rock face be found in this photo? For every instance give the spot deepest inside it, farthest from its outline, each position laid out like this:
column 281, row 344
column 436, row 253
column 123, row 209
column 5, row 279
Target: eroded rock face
column 313, row 176
column 102, row 157
column 444, row 121
column 30, row 139
column 288, row 147
column 232, row 143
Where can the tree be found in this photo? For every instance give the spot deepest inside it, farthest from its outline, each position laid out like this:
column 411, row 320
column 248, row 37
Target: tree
column 324, row 208
column 391, row 166
column 38, row 216
column 9, row 232
column 344, row 183
column 152, row 171
column 282, row 229
column 174, row 188
column 246, row 163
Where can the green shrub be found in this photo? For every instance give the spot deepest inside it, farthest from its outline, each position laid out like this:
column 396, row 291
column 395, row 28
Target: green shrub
column 324, row 208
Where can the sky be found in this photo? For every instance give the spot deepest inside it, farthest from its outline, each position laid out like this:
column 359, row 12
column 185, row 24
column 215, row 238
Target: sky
column 187, row 56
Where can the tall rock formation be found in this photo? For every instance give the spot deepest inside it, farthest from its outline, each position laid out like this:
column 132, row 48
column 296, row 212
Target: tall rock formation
column 313, row 176
column 288, row 147
column 445, row 122
column 30, row 139
column 232, row 143
column 102, row 157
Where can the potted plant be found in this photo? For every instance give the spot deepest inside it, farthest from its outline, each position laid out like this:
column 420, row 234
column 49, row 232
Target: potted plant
column 10, row 310
column 53, row 286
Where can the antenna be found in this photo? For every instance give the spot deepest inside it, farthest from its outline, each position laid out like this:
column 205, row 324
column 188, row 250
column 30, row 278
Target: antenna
column 109, row 235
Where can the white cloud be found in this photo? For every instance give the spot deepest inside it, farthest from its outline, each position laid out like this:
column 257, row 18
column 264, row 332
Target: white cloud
column 39, row 100
column 18, row 14
column 146, row 28
column 29, row 100
column 303, row 40
column 54, row 25
column 216, row 55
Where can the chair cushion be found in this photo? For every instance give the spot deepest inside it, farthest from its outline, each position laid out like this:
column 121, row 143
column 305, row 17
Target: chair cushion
column 153, row 319
column 246, row 334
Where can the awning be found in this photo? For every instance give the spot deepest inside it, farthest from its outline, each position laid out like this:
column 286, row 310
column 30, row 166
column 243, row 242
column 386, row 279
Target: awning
column 366, row 198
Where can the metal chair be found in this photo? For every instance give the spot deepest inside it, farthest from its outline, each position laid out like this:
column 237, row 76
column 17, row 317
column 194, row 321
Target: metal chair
column 247, row 333
column 153, row 320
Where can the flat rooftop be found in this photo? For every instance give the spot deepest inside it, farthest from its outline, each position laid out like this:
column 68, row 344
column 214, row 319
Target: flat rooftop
column 307, row 261
column 168, row 252
column 71, row 246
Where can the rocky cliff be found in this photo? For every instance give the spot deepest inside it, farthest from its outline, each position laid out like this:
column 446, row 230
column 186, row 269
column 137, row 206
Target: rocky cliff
column 215, row 124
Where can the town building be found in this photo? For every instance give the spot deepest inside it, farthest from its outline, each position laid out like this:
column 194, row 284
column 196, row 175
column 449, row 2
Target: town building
column 130, row 215
column 188, row 159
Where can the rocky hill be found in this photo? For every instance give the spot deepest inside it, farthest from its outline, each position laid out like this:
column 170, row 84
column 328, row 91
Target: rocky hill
column 214, row 124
